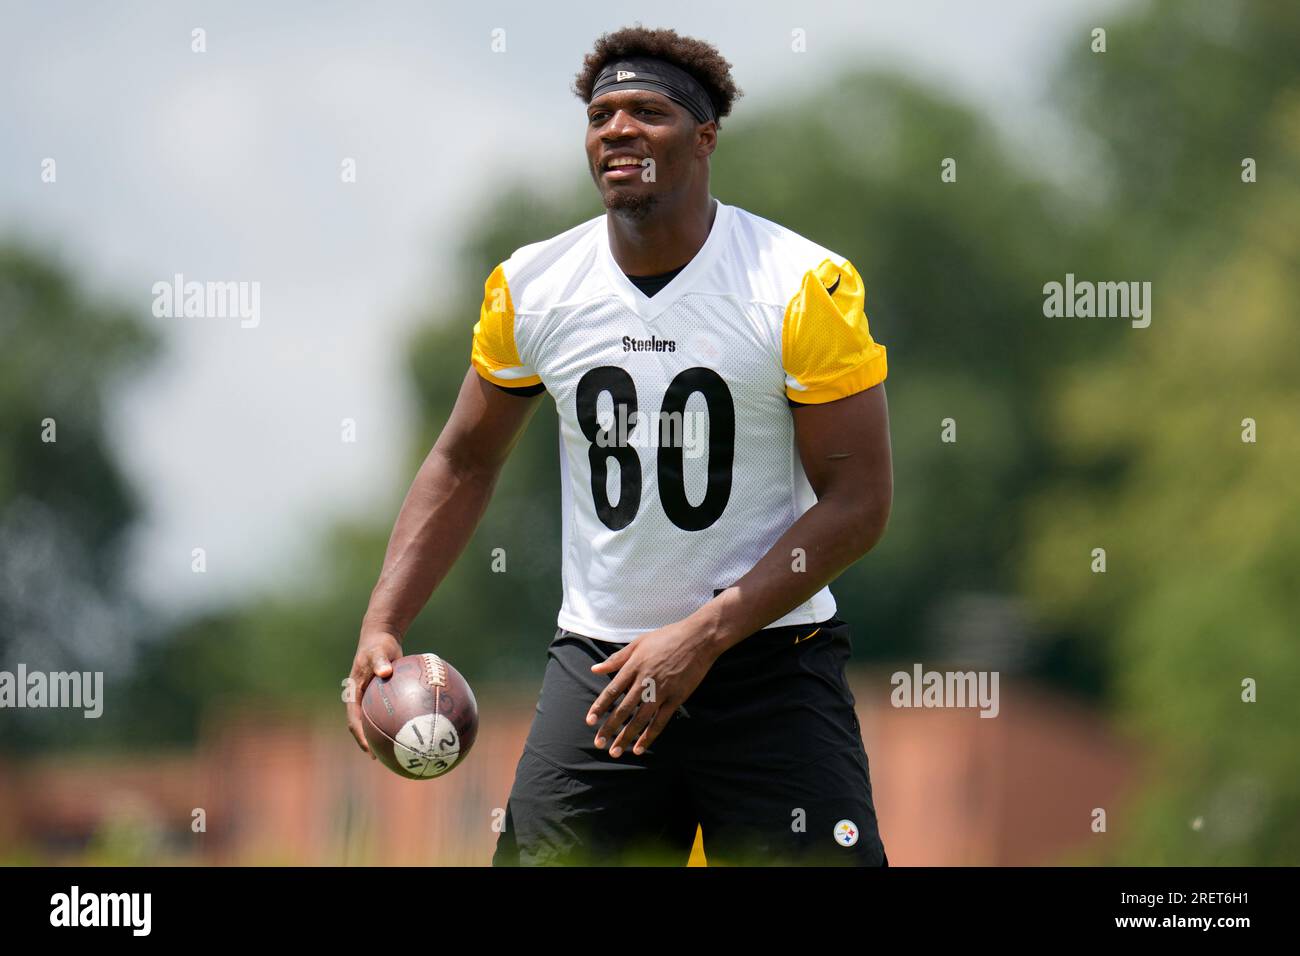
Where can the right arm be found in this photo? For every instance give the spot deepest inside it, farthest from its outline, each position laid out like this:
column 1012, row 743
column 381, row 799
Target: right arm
column 442, row 508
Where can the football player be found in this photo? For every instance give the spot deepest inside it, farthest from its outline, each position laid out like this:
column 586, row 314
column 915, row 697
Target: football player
column 724, row 449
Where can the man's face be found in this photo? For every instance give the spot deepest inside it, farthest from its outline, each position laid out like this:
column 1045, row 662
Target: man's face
column 641, row 146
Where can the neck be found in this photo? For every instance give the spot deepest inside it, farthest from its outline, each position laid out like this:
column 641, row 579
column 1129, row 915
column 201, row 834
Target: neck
column 666, row 237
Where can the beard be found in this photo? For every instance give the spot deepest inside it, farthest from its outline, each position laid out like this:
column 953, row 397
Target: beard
column 631, row 205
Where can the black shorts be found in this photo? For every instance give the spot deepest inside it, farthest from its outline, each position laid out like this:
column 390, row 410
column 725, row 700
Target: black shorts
column 766, row 757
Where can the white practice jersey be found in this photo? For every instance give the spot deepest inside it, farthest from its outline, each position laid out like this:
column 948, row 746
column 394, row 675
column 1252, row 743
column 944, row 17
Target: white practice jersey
column 679, row 467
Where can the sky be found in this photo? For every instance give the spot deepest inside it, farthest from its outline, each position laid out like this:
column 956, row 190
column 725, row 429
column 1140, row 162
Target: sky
column 225, row 165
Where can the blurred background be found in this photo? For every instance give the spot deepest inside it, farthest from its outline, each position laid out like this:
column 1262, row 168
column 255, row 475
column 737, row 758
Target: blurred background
column 208, row 525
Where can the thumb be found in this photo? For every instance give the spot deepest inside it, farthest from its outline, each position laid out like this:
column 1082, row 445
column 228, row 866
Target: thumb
column 380, row 665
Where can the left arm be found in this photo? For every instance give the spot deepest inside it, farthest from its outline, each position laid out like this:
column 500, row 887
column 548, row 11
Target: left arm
column 844, row 448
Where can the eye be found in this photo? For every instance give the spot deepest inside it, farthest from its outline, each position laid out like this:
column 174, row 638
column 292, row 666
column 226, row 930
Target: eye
column 601, row 115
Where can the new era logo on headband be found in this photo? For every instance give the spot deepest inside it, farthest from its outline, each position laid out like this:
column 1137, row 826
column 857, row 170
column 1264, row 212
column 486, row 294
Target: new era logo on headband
column 625, row 75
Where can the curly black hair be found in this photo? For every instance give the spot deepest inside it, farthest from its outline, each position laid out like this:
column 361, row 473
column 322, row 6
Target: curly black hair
column 702, row 60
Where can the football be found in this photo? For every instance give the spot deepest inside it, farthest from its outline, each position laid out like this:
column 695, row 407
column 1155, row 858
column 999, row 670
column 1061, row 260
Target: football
column 420, row 722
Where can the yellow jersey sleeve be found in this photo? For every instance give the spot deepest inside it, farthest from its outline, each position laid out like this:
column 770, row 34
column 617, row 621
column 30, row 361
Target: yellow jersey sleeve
column 826, row 345
column 494, row 354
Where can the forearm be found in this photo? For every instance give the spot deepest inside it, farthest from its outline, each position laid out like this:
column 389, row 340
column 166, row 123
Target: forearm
column 825, row 540
column 442, row 508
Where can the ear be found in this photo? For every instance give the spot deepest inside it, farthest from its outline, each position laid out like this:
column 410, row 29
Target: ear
column 706, row 139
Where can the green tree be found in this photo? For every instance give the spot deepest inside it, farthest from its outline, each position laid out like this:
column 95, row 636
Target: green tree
column 1201, row 529
column 64, row 503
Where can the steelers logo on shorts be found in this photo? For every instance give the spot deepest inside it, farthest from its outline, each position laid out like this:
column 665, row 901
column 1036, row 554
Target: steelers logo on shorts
column 846, row 833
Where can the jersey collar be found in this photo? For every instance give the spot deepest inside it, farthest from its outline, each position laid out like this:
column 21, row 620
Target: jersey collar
column 649, row 307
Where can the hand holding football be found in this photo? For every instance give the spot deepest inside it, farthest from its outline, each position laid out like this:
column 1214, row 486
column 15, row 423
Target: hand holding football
column 421, row 721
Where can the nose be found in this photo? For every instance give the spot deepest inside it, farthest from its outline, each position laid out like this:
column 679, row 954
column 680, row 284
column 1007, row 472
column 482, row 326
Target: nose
column 619, row 126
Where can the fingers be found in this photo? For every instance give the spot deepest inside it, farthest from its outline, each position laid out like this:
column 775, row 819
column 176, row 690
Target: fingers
column 358, row 733
column 617, row 718
column 605, row 699
column 631, row 719
column 662, row 716
column 355, row 727
column 360, row 677
column 644, row 714
column 372, row 660
column 642, row 711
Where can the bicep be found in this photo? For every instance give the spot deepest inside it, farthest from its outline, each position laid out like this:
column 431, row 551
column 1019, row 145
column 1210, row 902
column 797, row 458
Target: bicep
column 844, row 446
column 485, row 423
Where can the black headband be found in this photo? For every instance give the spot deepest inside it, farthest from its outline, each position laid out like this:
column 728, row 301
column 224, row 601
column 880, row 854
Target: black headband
column 652, row 73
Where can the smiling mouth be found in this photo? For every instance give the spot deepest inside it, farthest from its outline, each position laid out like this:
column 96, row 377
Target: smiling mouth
column 622, row 168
